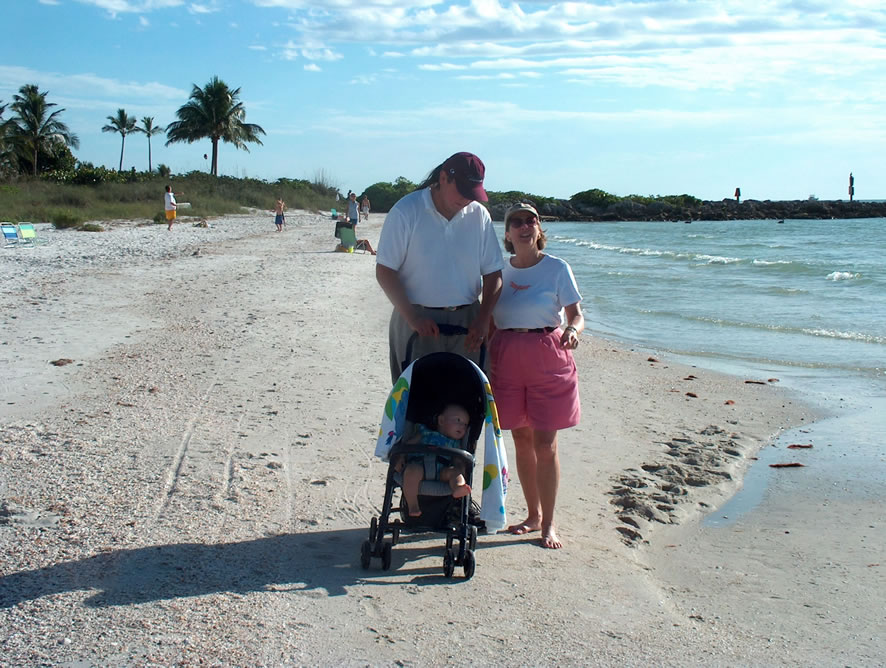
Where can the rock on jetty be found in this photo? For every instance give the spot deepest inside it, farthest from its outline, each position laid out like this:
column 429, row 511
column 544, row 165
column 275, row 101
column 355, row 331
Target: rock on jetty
column 727, row 209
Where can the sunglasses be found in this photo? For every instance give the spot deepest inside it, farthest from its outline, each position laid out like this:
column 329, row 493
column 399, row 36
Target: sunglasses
column 529, row 221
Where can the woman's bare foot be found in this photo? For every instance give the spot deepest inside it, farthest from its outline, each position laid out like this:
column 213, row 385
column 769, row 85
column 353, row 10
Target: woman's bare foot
column 549, row 539
column 526, row 526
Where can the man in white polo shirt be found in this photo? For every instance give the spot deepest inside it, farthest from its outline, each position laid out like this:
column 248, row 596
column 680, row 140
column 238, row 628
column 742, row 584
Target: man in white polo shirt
column 436, row 255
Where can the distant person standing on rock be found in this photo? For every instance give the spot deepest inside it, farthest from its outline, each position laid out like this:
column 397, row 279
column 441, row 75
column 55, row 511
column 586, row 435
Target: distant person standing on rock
column 170, row 205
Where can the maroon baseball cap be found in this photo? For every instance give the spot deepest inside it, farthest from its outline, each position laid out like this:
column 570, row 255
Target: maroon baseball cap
column 468, row 171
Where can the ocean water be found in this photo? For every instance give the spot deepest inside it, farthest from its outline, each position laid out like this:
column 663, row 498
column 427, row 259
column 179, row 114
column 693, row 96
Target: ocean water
column 807, row 294
column 803, row 301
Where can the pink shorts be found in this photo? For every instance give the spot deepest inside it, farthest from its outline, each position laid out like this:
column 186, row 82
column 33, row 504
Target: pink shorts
column 534, row 381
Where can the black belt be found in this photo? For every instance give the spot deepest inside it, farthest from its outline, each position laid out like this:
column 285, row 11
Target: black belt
column 446, row 308
column 537, row 330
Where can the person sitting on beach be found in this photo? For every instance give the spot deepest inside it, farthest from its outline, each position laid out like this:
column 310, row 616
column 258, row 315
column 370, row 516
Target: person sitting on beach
column 279, row 218
column 339, row 248
column 451, row 426
column 170, row 205
column 364, row 208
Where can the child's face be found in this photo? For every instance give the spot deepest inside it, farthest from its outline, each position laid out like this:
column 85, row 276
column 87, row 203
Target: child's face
column 453, row 422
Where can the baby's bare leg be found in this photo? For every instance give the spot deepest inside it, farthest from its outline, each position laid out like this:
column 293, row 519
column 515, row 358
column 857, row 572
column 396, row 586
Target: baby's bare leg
column 455, row 476
column 412, row 477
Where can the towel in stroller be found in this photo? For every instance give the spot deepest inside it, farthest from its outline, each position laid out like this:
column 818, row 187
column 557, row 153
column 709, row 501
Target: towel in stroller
column 423, row 390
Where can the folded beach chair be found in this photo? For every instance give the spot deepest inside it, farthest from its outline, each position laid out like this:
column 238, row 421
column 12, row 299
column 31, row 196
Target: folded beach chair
column 28, row 234
column 349, row 239
column 10, row 234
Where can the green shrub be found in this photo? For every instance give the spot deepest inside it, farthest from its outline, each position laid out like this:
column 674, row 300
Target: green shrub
column 594, row 197
column 68, row 197
column 63, row 219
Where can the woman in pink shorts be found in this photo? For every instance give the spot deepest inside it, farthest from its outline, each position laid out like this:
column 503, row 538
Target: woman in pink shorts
column 534, row 378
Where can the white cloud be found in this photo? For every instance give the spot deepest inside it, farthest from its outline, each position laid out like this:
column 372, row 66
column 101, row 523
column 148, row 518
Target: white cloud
column 293, row 50
column 115, row 7
column 99, row 89
column 442, row 67
column 726, row 45
column 143, row 22
column 320, row 53
column 312, row 67
column 197, row 8
column 257, row 47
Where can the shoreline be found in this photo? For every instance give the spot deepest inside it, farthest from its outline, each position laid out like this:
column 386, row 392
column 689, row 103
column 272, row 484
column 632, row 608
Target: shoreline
column 211, row 460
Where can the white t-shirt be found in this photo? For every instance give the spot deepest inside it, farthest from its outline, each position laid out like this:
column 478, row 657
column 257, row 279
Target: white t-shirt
column 534, row 297
column 440, row 262
column 169, row 201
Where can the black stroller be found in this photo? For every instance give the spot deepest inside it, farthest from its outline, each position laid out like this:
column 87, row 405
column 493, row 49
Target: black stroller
column 437, row 379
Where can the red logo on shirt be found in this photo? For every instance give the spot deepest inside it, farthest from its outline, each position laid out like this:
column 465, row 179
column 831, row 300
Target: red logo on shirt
column 517, row 288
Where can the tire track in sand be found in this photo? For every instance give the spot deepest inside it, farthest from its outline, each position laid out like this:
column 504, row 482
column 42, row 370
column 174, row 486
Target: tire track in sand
column 174, row 472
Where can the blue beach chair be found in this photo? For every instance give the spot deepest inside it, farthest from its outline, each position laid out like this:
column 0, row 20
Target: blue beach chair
column 10, row 234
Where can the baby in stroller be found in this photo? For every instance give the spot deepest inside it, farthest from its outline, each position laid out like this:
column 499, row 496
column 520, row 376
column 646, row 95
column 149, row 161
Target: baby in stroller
column 452, row 425
column 432, row 421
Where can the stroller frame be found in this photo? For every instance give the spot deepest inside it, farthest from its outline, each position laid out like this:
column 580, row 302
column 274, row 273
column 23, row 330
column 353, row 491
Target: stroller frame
column 441, row 512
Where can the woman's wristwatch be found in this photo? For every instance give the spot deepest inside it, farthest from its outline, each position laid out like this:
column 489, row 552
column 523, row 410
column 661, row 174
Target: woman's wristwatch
column 572, row 328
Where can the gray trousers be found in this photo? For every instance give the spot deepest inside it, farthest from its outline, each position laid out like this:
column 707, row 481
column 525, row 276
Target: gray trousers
column 399, row 334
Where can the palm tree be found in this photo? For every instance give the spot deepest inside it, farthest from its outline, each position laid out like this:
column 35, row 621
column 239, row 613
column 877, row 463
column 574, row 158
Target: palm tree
column 34, row 128
column 124, row 124
column 213, row 111
column 6, row 154
column 150, row 129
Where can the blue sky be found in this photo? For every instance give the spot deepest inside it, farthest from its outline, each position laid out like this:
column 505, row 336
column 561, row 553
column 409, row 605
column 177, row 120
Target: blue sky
column 783, row 99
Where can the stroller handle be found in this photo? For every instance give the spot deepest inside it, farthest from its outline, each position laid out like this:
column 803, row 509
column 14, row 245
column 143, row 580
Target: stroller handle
column 445, row 330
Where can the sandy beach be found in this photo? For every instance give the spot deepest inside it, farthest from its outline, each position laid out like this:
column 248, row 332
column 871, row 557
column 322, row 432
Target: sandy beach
column 193, row 487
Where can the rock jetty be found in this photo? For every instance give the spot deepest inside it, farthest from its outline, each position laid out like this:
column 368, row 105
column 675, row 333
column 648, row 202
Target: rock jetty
column 727, row 209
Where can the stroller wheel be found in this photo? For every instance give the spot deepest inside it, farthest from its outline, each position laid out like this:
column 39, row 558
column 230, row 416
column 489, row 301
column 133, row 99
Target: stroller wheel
column 386, row 557
column 373, row 529
column 365, row 554
column 469, row 564
column 472, row 537
column 448, row 563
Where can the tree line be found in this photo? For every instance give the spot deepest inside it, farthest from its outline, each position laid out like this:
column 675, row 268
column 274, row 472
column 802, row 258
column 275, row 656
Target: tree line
column 34, row 140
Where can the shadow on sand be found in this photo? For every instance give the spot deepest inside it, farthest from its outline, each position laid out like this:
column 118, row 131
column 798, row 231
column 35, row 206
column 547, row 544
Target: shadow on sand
column 322, row 560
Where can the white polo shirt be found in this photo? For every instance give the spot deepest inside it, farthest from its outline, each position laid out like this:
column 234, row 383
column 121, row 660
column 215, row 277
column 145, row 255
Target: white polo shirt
column 440, row 262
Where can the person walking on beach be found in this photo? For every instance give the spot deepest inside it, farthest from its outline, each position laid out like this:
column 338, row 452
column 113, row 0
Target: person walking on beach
column 279, row 218
column 364, row 208
column 534, row 378
column 437, row 254
column 170, row 205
